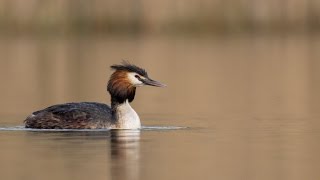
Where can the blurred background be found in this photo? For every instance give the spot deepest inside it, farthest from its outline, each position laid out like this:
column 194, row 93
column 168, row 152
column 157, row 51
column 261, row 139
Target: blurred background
column 60, row 51
column 244, row 75
column 141, row 16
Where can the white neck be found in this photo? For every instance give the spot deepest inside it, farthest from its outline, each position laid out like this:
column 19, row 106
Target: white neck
column 127, row 118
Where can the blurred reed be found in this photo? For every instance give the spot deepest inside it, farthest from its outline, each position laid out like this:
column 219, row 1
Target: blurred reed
column 166, row 16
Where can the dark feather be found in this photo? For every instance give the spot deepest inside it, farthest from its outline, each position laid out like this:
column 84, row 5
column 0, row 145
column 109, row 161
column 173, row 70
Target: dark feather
column 85, row 115
column 126, row 66
column 120, row 94
column 132, row 94
column 120, row 88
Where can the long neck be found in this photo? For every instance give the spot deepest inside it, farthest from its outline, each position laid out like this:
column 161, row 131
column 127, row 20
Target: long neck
column 122, row 92
column 124, row 115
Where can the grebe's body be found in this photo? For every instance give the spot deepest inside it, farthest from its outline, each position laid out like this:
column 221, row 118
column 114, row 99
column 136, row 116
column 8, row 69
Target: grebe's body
column 91, row 115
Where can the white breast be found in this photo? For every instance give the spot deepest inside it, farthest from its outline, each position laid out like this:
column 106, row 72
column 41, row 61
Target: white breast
column 127, row 117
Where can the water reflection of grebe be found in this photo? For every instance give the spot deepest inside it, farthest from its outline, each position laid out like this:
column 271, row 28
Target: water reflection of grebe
column 125, row 154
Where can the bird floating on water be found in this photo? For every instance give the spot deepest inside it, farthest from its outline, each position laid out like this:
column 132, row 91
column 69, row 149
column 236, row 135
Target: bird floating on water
column 92, row 115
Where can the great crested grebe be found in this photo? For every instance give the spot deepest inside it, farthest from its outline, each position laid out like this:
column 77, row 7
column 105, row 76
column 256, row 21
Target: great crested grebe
column 91, row 115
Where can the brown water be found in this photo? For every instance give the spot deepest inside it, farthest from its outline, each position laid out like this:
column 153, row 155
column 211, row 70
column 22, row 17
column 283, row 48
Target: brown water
column 250, row 104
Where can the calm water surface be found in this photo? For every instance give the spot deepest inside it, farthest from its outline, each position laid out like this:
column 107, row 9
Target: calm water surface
column 251, row 105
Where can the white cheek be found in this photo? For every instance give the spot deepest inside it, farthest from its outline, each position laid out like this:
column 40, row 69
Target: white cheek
column 133, row 80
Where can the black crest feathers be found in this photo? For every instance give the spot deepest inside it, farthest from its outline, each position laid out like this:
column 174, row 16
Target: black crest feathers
column 127, row 66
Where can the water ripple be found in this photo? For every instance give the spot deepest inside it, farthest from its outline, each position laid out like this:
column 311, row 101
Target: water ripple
column 143, row 128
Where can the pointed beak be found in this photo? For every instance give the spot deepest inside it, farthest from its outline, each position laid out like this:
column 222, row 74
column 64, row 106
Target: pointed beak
column 151, row 82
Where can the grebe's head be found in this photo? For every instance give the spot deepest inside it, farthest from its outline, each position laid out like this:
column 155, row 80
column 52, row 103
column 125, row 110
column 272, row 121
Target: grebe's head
column 126, row 78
